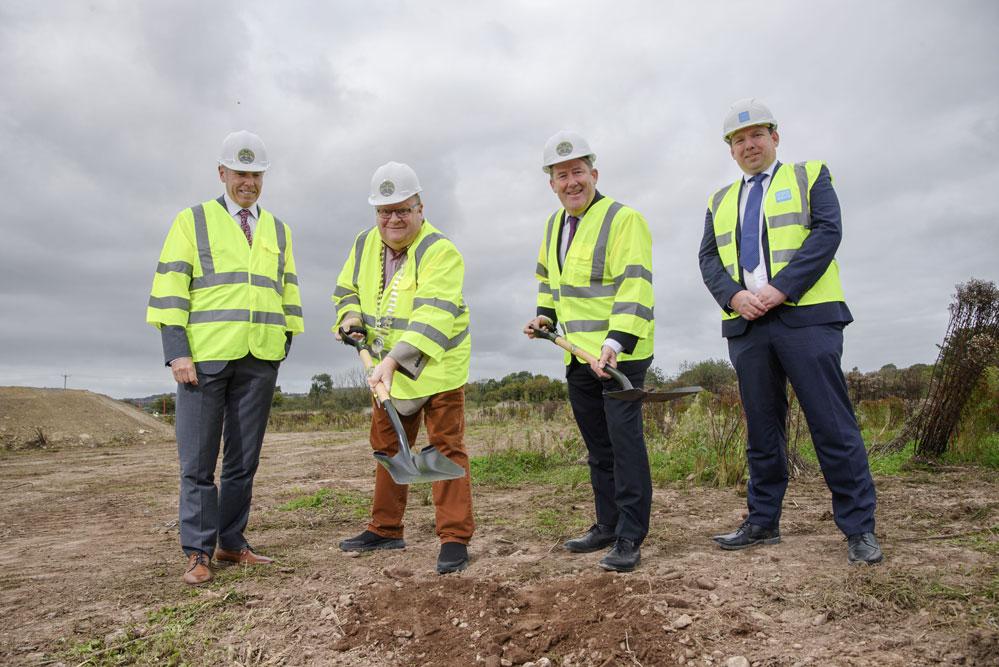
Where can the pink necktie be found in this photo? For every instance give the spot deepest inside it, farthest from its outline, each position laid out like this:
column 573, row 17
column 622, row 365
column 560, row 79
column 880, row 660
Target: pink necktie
column 245, row 226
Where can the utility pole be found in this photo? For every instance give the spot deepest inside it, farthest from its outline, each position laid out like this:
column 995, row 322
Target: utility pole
column 64, row 377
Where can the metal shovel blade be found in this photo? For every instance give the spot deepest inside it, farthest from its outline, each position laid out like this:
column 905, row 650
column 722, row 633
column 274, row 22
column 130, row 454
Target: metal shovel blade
column 405, row 468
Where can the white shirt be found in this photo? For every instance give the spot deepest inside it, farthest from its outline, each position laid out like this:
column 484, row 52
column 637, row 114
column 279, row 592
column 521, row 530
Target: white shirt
column 234, row 208
column 758, row 279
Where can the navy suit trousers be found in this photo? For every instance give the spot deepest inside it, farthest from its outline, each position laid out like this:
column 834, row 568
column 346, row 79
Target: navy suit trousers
column 615, row 441
column 232, row 402
column 765, row 357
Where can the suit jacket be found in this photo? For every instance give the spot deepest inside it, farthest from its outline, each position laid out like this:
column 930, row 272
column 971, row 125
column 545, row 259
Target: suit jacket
column 807, row 266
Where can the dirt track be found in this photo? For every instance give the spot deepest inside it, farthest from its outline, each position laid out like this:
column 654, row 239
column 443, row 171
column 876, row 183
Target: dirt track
column 90, row 573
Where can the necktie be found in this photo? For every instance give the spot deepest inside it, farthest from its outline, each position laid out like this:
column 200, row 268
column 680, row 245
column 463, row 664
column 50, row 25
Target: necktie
column 573, row 223
column 244, row 215
column 749, row 249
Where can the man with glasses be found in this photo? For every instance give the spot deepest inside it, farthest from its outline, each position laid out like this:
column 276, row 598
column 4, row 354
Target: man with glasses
column 595, row 278
column 400, row 291
column 225, row 298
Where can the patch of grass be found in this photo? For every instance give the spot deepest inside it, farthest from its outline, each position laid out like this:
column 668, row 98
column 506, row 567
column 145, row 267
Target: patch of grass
column 981, row 452
column 355, row 504
column 892, row 463
column 548, row 465
column 556, row 523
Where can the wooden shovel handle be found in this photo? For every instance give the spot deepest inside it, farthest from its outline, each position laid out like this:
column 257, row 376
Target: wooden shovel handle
column 564, row 344
column 379, row 391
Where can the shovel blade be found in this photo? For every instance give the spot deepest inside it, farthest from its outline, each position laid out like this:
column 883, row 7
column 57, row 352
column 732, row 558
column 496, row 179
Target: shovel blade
column 653, row 396
column 427, row 466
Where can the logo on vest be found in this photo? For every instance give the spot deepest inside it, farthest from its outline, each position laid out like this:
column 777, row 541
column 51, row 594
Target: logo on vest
column 245, row 156
column 563, row 148
column 783, row 195
column 386, row 188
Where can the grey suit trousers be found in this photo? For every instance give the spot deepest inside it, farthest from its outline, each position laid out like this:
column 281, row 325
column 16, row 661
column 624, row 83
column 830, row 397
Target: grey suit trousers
column 232, row 400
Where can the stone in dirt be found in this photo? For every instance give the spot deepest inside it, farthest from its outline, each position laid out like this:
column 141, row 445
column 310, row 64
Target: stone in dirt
column 737, row 661
column 516, row 655
column 683, row 621
column 705, row 584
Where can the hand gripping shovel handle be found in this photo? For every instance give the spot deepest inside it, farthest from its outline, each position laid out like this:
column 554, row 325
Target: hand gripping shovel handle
column 621, row 378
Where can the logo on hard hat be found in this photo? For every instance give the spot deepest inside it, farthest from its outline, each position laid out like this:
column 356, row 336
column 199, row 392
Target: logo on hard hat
column 563, row 148
column 386, row 188
column 245, row 156
column 743, row 116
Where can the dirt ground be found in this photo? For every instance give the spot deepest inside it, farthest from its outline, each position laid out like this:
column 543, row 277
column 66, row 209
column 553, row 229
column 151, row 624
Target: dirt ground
column 90, row 573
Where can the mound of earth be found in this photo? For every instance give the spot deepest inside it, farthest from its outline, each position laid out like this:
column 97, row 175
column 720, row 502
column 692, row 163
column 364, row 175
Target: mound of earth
column 31, row 417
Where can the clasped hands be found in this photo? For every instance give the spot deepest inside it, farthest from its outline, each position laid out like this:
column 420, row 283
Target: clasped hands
column 383, row 370
column 752, row 306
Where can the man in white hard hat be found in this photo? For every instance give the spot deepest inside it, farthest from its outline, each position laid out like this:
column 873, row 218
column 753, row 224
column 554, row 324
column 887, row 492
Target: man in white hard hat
column 768, row 258
column 225, row 298
column 400, row 291
column 595, row 278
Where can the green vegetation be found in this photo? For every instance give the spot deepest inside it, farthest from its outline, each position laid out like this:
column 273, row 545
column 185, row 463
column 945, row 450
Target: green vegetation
column 558, row 464
column 356, row 505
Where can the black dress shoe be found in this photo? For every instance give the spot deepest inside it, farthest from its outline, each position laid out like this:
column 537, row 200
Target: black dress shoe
column 596, row 538
column 452, row 558
column 368, row 541
column 747, row 535
column 864, row 548
column 624, row 557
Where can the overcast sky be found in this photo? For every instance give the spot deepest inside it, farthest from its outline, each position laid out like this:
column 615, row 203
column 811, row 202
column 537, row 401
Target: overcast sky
column 112, row 115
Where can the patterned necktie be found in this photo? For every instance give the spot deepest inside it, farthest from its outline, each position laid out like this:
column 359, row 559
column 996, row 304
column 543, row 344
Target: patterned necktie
column 749, row 249
column 573, row 223
column 244, row 216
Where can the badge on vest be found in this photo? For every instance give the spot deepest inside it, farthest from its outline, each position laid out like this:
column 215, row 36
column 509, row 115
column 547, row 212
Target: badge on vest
column 783, row 195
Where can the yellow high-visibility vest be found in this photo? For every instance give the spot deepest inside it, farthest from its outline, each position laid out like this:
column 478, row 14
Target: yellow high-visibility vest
column 787, row 216
column 231, row 299
column 422, row 306
column 605, row 283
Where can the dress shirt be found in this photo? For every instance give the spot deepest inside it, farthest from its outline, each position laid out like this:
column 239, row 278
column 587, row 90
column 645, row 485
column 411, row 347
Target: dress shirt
column 233, row 209
column 758, row 279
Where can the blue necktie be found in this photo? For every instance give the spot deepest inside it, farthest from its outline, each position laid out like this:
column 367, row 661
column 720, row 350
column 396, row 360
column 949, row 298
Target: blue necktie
column 749, row 249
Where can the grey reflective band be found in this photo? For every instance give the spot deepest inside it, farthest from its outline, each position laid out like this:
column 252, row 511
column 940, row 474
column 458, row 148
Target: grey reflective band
column 201, row 235
column 293, row 310
column 395, row 323
column 340, row 291
column 438, row 303
column 801, row 175
column 213, row 279
column 437, row 336
column 258, row 280
column 349, row 300
column 588, row 292
column 723, row 239
column 369, row 320
column 282, row 244
column 600, row 249
column 170, row 302
column 221, row 201
column 585, row 326
column 268, row 318
column 788, row 219
column 717, row 199
column 227, row 315
column 555, row 294
column 175, row 267
column 783, row 255
column 421, row 249
column 358, row 250
column 730, row 269
column 544, row 289
column 548, row 234
column 290, row 279
column 541, row 270
column 632, row 308
column 634, row 271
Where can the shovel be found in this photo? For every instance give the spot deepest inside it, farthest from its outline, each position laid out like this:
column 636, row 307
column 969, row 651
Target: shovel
column 405, row 467
column 627, row 392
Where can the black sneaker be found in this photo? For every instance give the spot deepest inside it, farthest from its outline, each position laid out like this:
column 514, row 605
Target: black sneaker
column 864, row 548
column 453, row 558
column 747, row 535
column 368, row 541
column 596, row 538
column 624, row 557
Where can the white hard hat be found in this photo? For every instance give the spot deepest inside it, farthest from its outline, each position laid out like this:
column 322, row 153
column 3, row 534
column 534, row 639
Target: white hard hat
column 746, row 113
column 564, row 146
column 392, row 183
column 244, row 151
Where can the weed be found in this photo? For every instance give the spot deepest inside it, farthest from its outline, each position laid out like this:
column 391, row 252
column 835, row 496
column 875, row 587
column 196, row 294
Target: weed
column 355, row 504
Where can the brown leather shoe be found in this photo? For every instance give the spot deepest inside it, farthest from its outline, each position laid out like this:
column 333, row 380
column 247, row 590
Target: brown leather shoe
column 244, row 556
column 199, row 569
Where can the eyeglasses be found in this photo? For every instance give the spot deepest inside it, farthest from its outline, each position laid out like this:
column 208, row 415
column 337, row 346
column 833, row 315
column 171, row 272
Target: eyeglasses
column 403, row 213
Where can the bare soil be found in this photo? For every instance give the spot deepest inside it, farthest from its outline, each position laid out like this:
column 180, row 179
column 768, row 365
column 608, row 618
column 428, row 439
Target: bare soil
column 90, row 573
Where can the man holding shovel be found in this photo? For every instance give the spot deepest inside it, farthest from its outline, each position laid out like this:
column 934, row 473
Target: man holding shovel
column 595, row 277
column 400, row 291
